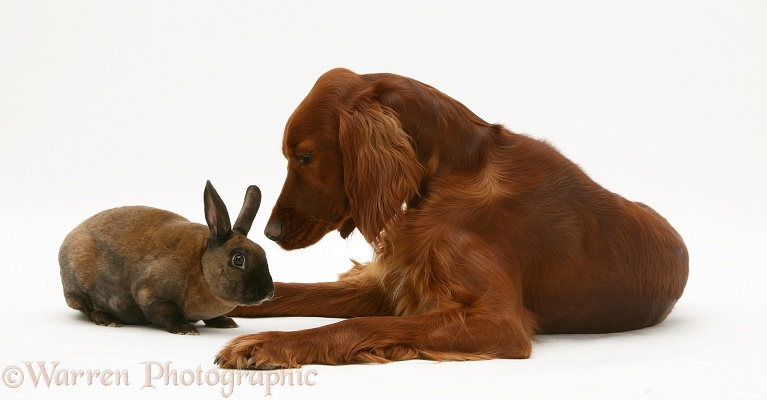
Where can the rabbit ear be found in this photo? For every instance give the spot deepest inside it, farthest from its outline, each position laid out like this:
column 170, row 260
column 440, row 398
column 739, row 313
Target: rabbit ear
column 215, row 213
column 249, row 210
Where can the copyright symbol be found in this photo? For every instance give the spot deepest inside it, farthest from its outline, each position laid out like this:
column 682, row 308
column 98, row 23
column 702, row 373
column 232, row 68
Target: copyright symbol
column 13, row 377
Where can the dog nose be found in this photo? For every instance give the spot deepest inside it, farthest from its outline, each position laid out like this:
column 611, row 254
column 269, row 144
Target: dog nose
column 273, row 230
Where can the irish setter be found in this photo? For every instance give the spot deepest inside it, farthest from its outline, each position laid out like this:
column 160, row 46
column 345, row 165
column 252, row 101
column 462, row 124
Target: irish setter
column 482, row 237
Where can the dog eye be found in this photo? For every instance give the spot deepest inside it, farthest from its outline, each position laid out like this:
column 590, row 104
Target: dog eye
column 238, row 260
column 304, row 158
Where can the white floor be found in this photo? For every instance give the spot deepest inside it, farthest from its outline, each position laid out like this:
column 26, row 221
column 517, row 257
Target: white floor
column 109, row 104
column 701, row 351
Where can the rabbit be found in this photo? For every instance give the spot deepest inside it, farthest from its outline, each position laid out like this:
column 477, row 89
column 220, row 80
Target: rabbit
column 138, row 265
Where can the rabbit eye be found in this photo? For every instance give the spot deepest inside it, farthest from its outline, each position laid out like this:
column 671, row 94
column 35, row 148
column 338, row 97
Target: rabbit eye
column 239, row 261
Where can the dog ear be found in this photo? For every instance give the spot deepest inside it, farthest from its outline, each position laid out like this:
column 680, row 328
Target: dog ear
column 381, row 170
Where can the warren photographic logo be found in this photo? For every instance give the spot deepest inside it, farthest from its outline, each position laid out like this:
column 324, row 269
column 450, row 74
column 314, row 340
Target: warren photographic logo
column 152, row 375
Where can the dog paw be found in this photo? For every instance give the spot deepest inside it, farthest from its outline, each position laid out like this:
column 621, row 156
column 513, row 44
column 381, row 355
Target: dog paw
column 260, row 351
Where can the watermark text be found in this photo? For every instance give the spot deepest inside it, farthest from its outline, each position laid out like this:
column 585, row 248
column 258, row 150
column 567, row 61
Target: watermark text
column 152, row 375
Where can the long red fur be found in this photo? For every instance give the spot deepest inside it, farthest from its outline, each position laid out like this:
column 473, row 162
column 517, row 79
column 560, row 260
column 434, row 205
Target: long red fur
column 482, row 237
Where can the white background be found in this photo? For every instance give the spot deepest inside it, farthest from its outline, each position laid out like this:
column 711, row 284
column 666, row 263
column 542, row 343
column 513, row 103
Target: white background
column 109, row 103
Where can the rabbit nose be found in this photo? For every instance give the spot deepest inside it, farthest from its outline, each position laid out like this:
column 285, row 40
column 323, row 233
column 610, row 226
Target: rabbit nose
column 269, row 294
column 273, row 230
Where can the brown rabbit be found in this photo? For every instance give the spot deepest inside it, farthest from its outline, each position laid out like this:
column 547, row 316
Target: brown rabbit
column 137, row 265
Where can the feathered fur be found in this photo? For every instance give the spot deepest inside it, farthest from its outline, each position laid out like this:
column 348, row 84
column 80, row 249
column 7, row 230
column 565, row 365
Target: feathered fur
column 482, row 237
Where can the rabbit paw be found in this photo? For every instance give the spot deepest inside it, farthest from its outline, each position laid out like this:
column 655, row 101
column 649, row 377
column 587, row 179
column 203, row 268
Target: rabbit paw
column 220, row 322
column 186, row 329
column 104, row 319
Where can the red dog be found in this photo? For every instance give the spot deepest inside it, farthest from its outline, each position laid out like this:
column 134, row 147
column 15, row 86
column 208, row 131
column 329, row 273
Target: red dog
column 482, row 237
